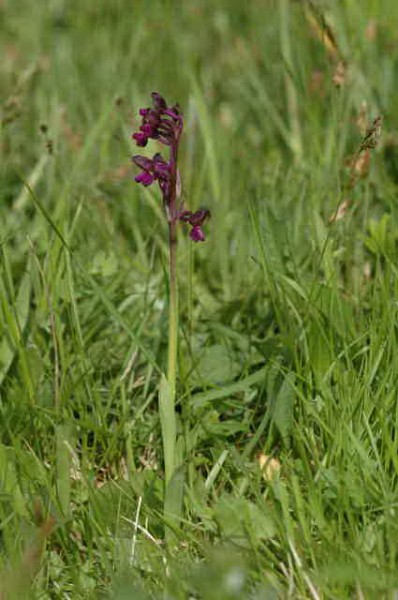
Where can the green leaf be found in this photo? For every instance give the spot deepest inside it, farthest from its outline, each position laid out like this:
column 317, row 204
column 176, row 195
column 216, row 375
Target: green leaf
column 173, row 503
column 63, row 437
column 9, row 484
column 168, row 424
column 203, row 398
column 282, row 412
column 216, row 366
column 16, row 320
column 105, row 264
column 239, row 518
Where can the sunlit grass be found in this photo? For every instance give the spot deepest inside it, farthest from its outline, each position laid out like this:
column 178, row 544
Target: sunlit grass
column 288, row 348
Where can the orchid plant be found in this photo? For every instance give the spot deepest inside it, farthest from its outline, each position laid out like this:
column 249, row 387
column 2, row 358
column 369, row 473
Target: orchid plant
column 165, row 124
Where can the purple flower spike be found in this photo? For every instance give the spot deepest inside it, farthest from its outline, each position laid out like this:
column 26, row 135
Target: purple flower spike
column 165, row 124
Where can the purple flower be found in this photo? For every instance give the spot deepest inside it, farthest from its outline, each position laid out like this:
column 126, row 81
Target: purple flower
column 153, row 169
column 165, row 124
column 197, row 234
column 196, row 220
column 140, row 138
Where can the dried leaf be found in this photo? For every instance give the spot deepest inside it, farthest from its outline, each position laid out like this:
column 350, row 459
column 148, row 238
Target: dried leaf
column 322, row 30
column 340, row 212
column 361, row 165
column 339, row 75
column 269, row 466
column 371, row 30
column 367, row 270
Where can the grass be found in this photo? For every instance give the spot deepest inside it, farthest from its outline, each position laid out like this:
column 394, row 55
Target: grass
column 288, row 333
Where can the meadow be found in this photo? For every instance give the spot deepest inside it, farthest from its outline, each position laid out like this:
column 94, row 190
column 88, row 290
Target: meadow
column 286, row 400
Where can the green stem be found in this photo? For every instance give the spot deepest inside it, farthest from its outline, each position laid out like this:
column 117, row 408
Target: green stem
column 170, row 439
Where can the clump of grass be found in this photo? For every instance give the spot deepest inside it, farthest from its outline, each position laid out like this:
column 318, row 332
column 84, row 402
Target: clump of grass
column 287, row 342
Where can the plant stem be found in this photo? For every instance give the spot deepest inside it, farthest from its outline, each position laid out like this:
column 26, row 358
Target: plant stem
column 173, row 309
column 172, row 352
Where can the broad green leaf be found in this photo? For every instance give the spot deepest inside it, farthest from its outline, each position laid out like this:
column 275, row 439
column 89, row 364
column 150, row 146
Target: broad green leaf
column 240, row 520
column 216, row 365
column 63, row 437
column 204, row 398
column 282, row 413
column 174, row 495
